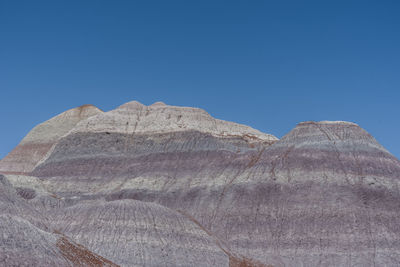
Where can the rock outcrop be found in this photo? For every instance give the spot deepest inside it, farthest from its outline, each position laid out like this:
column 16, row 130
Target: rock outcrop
column 326, row 194
column 137, row 233
column 161, row 185
column 134, row 118
column 40, row 139
column 27, row 240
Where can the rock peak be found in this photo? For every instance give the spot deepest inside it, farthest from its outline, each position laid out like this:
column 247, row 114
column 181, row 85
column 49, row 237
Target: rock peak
column 158, row 104
column 42, row 137
column 86, row 106
column 226, row 190
column 323, row 134
column 132, row 105
column 134, row 117
column 328, row 123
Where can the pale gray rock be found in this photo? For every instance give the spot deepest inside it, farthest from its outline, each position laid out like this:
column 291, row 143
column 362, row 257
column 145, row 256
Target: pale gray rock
column 34, row 191
column 38, row 142
column 135, row 118
column 22, row 244
column 26, row 238
column 136, row 233
column 326, row 194
column 14, row 205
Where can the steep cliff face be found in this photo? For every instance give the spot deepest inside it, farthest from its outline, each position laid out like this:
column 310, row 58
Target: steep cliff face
column 221, row 193
column 40, row 139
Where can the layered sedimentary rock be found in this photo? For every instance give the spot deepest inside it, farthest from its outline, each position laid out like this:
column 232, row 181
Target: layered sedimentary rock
column 157, row 131
column 13, row 205
column 40, row 139
column 26, row 238
column 136, row 233
column 326, row 194
column 133, row 233
column 135, row 118
column 149, row 148
column 22, row 244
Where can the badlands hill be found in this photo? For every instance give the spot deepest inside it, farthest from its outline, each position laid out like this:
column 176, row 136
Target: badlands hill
column 162, row 185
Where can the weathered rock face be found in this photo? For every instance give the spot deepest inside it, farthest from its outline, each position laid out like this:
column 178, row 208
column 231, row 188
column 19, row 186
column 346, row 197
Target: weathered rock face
column 40, row 139
column 135, row 118
column 26, row 239
column 136, row 233
column 326, row 194
column 25, row 245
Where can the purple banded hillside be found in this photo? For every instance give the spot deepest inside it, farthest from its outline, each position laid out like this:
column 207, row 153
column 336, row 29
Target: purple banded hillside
column 162, row 185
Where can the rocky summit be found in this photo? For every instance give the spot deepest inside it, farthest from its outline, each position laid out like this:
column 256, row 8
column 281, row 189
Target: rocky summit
column 163, row 185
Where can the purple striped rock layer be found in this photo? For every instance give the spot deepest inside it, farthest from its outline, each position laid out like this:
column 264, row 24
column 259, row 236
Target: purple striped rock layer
column 326, row 194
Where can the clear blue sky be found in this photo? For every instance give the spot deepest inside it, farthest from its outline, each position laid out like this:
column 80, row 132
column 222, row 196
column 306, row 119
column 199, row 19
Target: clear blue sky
column 267, row 64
